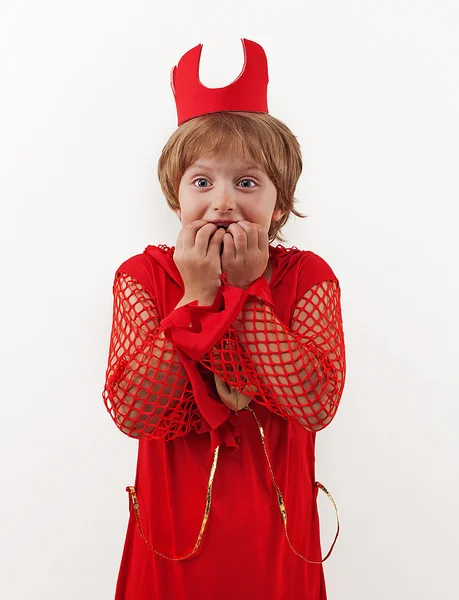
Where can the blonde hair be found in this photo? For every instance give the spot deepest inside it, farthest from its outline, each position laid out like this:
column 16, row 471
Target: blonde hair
column 268, row 141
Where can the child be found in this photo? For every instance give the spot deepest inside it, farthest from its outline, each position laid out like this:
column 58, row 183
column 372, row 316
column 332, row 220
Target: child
column 226, row 357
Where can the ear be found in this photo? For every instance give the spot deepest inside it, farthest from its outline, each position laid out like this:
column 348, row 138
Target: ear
column 277, row 214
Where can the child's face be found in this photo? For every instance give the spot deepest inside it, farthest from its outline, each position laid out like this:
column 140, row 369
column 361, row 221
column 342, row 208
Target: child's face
column 227, row 189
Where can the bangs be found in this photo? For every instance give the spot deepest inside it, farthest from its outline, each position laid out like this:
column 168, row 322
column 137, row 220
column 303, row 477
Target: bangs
column 224, row 136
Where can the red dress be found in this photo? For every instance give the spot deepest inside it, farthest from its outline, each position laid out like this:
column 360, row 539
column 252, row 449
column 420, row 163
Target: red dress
column 160, row 389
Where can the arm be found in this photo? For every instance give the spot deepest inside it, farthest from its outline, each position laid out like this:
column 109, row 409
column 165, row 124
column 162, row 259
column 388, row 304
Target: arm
column 147, row 391
column 297, row 373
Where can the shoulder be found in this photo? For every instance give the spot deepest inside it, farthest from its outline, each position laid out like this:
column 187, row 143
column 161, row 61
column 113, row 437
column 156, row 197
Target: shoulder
column 307, row 267
column 314, row 271
column 316, row 267
column 144, row 258
column 143, row 266
column 305, row 260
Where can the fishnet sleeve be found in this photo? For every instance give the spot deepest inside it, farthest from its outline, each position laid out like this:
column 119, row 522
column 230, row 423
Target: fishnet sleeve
column 298, row 373
column 147, row 391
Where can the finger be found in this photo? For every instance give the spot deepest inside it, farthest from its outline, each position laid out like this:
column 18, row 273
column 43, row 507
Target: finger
column 203, row 238
column 239, row 236
column 251, row 230
column 216, row 240
column 188, row 234
column 263, row 241
column 229, row 248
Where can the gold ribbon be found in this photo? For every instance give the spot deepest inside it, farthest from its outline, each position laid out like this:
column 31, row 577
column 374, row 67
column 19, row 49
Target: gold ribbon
column 135, row 505
column 281, row 503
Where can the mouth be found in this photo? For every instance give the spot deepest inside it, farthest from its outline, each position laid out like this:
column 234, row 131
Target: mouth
column 224, row 224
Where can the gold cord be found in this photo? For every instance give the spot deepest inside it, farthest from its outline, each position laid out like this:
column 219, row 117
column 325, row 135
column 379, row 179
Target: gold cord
column 280, row 498
column 135, row 504
column 237, row 398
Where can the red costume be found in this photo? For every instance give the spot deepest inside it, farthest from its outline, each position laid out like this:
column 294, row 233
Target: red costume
column 208, row 511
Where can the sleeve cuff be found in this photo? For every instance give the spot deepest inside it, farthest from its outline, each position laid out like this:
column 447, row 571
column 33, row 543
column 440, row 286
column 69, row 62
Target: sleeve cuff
column 196, row 329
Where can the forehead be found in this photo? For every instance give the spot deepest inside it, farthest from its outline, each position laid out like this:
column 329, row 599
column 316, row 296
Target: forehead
column 226, row 163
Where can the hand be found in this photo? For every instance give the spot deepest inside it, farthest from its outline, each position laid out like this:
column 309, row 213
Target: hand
column 245, row 253
column 233, row 399
column 230, row 396
column 197, row 256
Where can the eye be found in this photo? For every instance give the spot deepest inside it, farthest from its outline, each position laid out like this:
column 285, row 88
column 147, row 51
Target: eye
column 248, row 180
column 199, row 180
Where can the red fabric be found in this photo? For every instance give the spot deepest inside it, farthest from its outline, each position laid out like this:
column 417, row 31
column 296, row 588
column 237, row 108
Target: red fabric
column 248, row 92
column 244, row 553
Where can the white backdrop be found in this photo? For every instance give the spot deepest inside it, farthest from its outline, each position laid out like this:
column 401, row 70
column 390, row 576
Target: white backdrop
column 371, row 91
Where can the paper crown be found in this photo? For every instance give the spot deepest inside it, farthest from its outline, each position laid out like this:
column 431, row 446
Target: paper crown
column 248, row 92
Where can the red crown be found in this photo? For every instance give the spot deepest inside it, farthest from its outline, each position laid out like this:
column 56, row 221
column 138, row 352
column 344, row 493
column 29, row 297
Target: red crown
column 248, row 92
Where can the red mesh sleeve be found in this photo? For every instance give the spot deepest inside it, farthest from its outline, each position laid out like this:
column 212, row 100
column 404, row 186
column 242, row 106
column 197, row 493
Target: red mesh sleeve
column 147, row 391
column 298, row 373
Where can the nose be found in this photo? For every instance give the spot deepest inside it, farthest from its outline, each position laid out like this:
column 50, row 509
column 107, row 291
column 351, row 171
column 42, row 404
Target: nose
column 223, row 199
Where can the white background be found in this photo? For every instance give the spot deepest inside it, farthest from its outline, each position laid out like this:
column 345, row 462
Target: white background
column 371, row 91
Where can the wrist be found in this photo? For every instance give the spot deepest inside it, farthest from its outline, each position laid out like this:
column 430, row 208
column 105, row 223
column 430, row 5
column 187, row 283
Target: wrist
column 203, row 298
column 236, row 284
